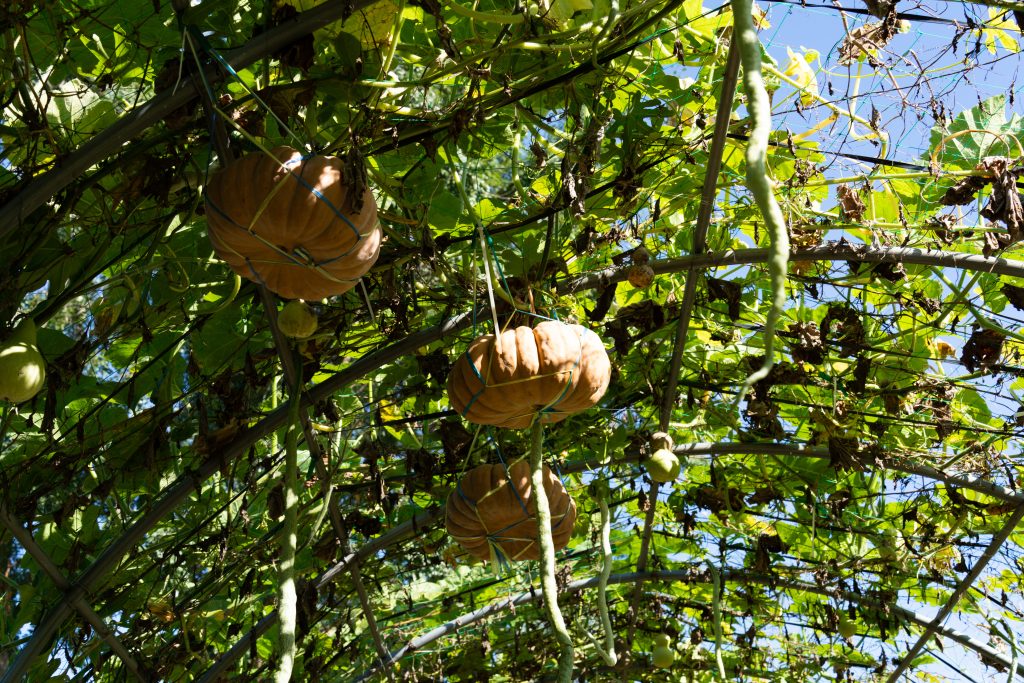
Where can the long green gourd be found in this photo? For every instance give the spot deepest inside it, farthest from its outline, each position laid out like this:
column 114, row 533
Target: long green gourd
column 758, row 182
column 288, row 605
column 549, row 587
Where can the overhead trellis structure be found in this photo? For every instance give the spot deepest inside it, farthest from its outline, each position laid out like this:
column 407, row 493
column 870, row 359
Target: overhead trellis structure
column 193, row 495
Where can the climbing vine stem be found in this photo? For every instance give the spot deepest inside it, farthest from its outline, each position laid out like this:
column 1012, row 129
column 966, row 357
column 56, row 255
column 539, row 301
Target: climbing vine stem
column 547, row 553
column 286, row 564
column 758, row 182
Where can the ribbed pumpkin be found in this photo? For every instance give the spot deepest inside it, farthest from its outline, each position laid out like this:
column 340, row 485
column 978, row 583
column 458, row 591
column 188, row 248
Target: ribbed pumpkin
column 492, row 508
column 287, row 221
column 553, row 369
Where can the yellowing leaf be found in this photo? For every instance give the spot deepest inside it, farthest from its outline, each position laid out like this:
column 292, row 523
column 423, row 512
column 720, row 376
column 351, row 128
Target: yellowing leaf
column 1000, row 28
column 944, row 349
column 761, row 19
column 371, row 25
column 800, row 70
column 562, row 10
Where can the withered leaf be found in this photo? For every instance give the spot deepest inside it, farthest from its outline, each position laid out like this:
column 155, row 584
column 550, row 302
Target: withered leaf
column 850, row 202
column 1015, row 295
column 725, row 290
column 983, row 349
column 807, row 347
column 868, row 39
column 963, row 192
column 843, row 453
column 1005, row 203
column 848, row 328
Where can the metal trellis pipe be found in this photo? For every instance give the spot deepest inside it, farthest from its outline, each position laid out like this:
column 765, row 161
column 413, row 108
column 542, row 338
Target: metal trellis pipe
column 686, row 576
column 965, row 584
column 78, row 602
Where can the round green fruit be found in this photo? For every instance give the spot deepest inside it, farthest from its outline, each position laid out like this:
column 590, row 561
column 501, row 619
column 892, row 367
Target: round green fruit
column 297, row 320
column 847, row 628
column 663, row 656
column 662, row 640
column 663, row 466
column 22, row 372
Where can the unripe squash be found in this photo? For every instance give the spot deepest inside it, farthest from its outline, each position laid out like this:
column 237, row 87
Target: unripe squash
column 297, row 320
column 553, row 370
column 289, row 221
column 22, row 371
column 494, row 509
column 663, row 657
column 847, row 627
column 663, row 466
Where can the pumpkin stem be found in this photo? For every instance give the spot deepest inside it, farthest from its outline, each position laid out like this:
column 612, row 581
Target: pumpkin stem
column 286, row 564
column 547, row 553
column 483, row 248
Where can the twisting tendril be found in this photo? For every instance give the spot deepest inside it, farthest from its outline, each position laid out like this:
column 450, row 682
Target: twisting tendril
column 549, row 587
column 758, row 182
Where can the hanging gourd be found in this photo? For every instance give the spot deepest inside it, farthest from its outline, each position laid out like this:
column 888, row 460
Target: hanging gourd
column 22, row 368
column 292, row 222
column 527, row 377
column 492, row 512
column 551, row 370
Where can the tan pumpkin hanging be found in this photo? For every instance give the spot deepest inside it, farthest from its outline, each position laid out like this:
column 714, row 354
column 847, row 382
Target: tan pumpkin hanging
column 494, row 509
column 553, row 370
column 287, row 221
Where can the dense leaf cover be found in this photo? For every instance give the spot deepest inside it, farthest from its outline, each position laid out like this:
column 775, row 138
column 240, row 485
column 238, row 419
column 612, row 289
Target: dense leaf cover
column 530, row 161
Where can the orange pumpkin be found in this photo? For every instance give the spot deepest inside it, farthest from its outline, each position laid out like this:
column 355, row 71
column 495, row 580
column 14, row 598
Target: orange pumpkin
column 287, row 221
column 553, row 370
column 494, row 508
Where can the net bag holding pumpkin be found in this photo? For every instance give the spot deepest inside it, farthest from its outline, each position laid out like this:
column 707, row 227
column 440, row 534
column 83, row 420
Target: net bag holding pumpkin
column 290, row 221
column 492, row 512
column 552, row 371
column 525, row 377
